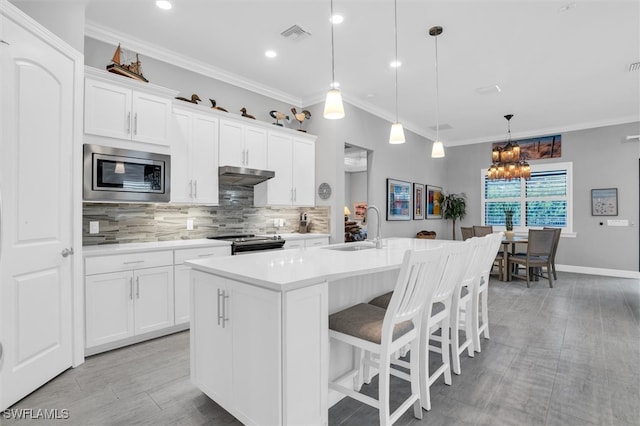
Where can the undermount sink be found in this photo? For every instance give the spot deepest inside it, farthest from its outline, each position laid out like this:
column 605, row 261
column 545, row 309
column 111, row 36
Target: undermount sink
column 360, row 245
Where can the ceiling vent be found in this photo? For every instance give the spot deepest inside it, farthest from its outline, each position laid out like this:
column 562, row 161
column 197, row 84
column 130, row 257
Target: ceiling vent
column 295, row 33
column 634, row 67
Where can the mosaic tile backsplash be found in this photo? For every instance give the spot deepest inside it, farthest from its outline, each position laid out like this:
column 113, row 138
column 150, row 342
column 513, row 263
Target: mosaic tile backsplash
column 129, row 223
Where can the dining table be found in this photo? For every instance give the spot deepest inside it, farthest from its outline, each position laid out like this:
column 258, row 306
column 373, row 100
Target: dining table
column 505, row 251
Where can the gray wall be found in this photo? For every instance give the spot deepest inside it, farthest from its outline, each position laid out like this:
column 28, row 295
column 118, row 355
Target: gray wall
column 98, row 55
column 411, row 162
column 601, row 158
column 64, row 20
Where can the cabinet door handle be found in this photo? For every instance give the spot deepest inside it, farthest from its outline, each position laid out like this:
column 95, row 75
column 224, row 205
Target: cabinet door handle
column 205, row 255
column 295, row 194
column 225, row 318
column 247, row 157
column 219, row 310
column 131, row 288
column 133, row 261
column 195, row 189
column 137, row 287
column 129, row 122
column 135, row 123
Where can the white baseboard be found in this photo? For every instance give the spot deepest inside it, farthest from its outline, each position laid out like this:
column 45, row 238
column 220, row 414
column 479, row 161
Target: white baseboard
column 599, row 271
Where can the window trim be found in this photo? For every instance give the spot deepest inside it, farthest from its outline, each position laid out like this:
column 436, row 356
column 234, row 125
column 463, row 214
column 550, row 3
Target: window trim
column 568, row 166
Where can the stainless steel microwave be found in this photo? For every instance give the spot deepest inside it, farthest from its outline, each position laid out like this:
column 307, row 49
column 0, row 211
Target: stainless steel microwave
column 113, row 174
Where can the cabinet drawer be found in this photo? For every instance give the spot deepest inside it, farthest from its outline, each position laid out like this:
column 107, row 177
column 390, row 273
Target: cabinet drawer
column 127, row 262
column 199, row 253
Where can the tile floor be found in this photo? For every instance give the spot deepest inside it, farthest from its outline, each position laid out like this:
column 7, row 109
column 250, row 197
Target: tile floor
column 563, row 356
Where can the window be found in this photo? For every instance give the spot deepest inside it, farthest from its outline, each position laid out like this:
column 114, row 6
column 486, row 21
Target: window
column 543, row 200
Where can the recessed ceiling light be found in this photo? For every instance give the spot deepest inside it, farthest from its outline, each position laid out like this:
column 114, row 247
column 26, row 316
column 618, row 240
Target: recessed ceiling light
column 337, row 19
column 270, row 54
column 395, row 64
column 164, row 4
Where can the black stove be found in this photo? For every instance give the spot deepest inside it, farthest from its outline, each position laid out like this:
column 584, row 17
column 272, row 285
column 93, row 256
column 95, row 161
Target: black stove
column 242, row 243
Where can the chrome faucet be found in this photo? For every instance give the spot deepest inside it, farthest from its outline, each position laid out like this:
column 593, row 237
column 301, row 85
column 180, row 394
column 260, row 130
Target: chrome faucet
column 378, row 238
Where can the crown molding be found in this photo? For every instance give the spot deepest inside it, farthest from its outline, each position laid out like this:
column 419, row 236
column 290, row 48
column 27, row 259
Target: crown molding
column 550, row 130
column 108, row 35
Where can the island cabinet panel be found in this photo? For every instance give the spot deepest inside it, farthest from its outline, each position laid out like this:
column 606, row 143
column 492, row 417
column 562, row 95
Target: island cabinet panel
column 117, row 111
column 305, row 355
column 242, row 354
column 182, row 275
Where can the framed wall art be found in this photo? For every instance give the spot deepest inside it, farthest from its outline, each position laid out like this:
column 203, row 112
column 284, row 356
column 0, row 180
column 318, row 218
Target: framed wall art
column 418, row 201
column 398, row 200
column 604, row 202
column 434, row 209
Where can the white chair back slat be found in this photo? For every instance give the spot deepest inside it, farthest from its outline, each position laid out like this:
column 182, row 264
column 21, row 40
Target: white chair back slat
column 418, row 278
column 456, row 257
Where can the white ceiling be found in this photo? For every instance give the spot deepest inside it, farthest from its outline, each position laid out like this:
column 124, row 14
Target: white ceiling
column 561, row 65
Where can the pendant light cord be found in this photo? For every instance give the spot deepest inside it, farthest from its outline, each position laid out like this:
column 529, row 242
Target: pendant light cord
column 437, row 96
column 333, row 66
column 395, row 11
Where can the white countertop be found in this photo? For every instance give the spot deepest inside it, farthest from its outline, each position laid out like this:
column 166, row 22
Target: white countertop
column 107, row 249
column 297, row 236
column 284, row 270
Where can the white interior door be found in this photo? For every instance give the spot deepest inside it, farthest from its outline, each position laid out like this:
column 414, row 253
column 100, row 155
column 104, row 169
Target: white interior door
column 36, row 211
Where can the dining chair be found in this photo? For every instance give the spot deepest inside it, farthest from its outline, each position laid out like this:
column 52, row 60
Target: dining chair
column 481, row 231
column 556, row 241
column 384, row 332
column 437, row 316
column 538, row 255
column 467, row 232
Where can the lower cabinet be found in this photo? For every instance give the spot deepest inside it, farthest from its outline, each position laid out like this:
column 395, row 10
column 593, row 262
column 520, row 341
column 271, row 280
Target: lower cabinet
column 249, row 346
column 182, row 274
column 127, row 303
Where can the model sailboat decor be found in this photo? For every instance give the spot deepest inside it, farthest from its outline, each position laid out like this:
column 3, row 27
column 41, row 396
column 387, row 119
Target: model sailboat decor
column 132, row 70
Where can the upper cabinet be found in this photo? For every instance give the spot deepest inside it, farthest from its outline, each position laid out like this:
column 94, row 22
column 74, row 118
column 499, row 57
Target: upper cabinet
column 292, row 158
column 117, row 107
column 194, row 157
column 242, row 145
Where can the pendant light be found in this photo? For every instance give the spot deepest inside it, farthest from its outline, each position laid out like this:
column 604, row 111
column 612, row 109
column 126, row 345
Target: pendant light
column 333, row 108
column 437, row 149
column 505, row 160
column 396, row 136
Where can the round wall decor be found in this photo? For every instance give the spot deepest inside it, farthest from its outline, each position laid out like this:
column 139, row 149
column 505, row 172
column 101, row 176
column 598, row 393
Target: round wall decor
column 324, row 190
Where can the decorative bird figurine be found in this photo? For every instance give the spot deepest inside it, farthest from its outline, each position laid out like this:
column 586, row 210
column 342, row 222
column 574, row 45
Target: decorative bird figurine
column 214, row 106
column 244, row 113
column 278, row 116
column 300, row 117
column 194, row 99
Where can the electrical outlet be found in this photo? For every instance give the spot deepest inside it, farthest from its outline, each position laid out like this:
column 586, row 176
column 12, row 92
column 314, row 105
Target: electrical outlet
column 281, row 222
column 276, row 222
column 94, row 227
column 189, row 224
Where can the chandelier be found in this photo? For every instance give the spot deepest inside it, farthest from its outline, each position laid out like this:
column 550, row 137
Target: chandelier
column 506, row 162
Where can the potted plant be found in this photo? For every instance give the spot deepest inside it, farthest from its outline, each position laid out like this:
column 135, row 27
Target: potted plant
column 508, row 222
column 454, row 207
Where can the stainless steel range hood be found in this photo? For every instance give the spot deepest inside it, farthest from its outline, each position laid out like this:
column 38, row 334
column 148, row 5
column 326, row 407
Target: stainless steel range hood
column 231, row 175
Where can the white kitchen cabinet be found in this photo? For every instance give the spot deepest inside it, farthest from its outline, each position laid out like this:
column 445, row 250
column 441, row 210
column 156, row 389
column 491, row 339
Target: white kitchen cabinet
column 233, row 322
column 127, row 295
column 182, row 276
column 252, row 348
column 242, row 145
column 123, row 108
column 292, row 158
column 194, row 157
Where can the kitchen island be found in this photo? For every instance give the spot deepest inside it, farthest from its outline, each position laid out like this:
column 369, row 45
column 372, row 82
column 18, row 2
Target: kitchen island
column 259, row 330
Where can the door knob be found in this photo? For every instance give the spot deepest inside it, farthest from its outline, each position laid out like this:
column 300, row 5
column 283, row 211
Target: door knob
column 66, row 252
